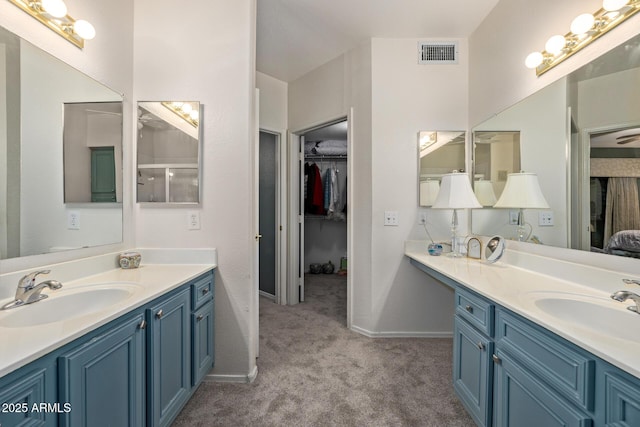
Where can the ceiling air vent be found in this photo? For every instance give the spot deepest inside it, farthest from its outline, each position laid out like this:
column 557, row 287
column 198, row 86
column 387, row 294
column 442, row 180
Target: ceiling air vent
column 438, row 52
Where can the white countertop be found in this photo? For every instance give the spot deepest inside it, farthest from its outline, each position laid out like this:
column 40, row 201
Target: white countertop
column 614, row 337
column 24, row 344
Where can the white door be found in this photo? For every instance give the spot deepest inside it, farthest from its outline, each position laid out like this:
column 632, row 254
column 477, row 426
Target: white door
column 295, row 291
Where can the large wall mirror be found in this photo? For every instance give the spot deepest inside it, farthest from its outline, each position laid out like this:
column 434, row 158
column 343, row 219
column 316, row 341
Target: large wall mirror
column 581, row 136
column 439, row 153
column 168, row 152
column 35, row 218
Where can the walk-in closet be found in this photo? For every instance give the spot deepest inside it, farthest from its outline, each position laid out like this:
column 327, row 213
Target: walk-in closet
column 325, row 204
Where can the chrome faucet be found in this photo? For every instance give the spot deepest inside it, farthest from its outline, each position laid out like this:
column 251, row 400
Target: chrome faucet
column 625, row 295
column 28, row 292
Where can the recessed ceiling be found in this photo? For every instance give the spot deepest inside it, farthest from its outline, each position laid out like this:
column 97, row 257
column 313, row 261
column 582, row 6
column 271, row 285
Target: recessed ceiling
column 297, row 36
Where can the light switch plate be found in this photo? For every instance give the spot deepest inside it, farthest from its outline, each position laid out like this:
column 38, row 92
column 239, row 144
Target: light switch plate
column 391, row 218
column 73, row 220
column 545, row 219
column 193, row 220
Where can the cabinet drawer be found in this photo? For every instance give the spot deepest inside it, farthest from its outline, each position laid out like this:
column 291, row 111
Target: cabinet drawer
column 201, row 291
column 564, row 367
column 476, row 310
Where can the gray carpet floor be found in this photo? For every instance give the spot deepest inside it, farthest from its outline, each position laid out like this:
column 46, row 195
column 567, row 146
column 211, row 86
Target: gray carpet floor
column 313, row 371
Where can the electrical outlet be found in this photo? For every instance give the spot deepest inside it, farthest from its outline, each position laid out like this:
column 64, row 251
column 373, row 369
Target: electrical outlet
column 391, row 218
column 545, row 219
column 422, row 218
column 193, row 220
column 73, row 220
column 513, row 217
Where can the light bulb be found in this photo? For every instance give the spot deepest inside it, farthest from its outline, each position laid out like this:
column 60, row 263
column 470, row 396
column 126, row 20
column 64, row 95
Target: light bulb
column 582, row 23
column 613, row 5
column 55, row 8
column 84, row 29
column 533, row 60
column 555, row 44
column 194, row 115
column 187, row 108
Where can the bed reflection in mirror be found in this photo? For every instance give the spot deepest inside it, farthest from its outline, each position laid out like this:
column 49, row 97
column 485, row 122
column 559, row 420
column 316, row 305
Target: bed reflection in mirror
column 439, row 152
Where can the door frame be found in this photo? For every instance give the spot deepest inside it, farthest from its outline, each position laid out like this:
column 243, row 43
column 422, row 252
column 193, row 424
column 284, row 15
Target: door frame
column 293, row 182
column 281, row 209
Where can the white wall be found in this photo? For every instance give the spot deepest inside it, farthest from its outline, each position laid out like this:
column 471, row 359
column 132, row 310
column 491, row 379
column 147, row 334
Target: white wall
column 513, row 29
column 273, row 103
column 407, row 98
column 609, row 100
column 215, row 52
column 108, row 59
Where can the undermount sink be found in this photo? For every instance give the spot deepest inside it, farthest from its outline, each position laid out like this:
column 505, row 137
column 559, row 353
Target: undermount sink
column 601, row 315
column 67, row 304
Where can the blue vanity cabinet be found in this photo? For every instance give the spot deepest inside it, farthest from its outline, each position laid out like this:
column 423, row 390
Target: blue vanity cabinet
column 202, row 327
column 472, row 350
column 540, row 378
column 618, row 397
column 103, row 380
column 21, row 390
column 169, row 363
column 202, row 303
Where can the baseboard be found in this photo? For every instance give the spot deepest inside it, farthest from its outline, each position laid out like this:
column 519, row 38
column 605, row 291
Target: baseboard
column 404, row 334
column 267, row 295
column 221, row 378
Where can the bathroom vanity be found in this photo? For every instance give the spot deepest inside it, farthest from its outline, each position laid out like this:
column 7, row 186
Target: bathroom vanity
column 532, row 348
column 133, row 360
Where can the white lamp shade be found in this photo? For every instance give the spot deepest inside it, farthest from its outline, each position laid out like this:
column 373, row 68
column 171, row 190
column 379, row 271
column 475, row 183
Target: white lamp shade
column 484, row 192
column 456, row 193
column 522, row 191
column 428, row 192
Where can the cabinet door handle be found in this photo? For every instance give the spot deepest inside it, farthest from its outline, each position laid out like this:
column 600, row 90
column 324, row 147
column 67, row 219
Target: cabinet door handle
column 469, row 309
column 480, row 346
column 205, row 291
column 159, row 314
column 199, row 317
column 496, row 359
column 143, row 324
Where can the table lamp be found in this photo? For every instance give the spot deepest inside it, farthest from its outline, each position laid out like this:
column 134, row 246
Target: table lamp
column 455, row 193
column 522, row 191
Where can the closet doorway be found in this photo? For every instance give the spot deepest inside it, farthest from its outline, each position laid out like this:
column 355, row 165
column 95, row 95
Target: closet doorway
column 270, row 210
column 319, row 207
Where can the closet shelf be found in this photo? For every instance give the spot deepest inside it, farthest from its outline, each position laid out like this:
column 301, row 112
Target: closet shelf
column 325, row 157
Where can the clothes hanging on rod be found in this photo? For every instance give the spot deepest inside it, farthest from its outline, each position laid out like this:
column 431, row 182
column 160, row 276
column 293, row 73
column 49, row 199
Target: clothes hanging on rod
column 314, row 197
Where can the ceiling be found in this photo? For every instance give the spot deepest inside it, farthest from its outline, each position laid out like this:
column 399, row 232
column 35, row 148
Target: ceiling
column 296, row 36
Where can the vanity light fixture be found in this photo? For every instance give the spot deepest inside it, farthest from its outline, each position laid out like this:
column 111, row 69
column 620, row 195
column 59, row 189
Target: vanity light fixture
column 53, row 14
column 185, row 110
column 455, row 193
column 585, row 28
